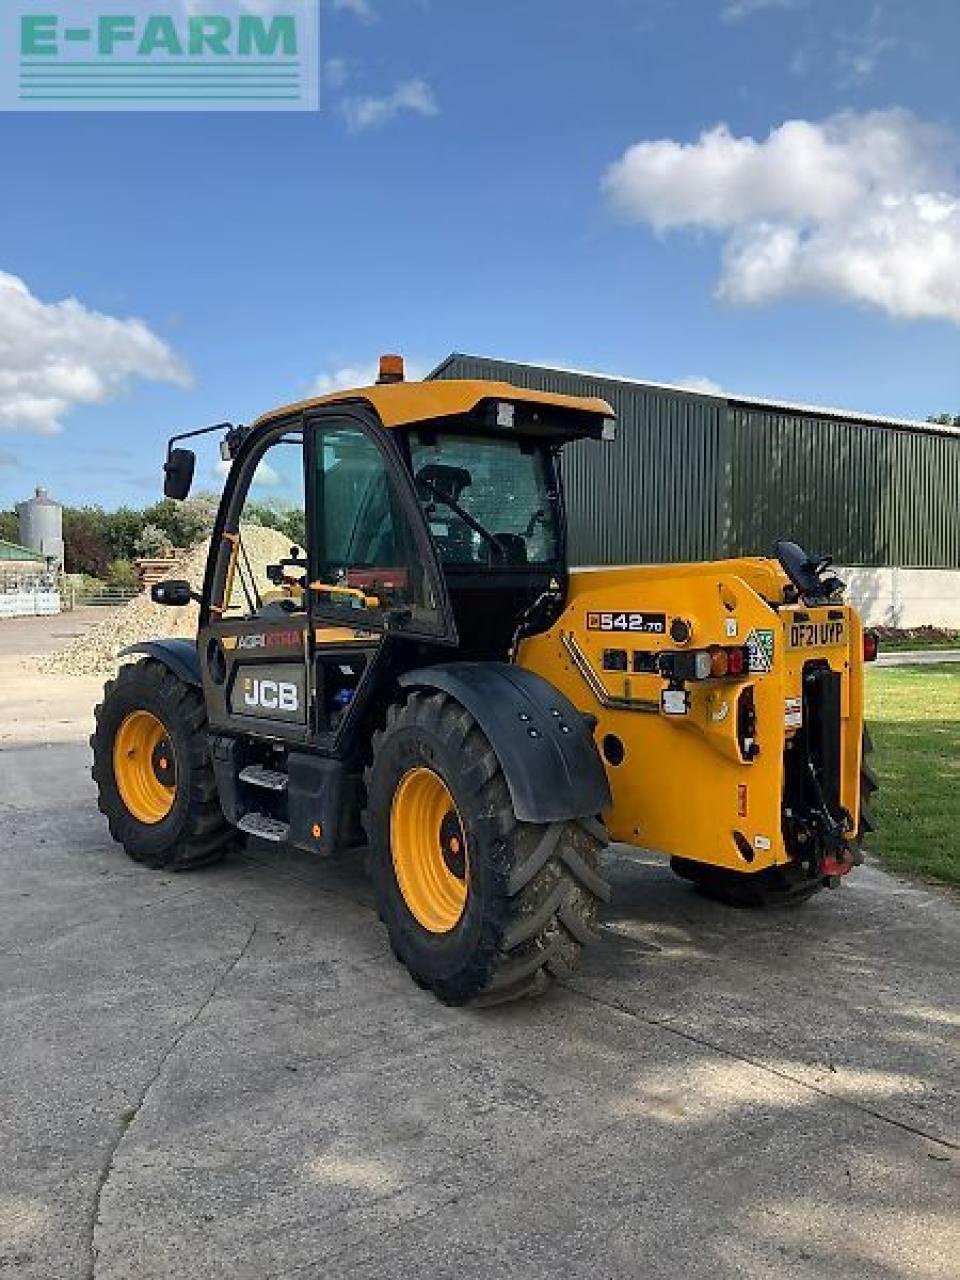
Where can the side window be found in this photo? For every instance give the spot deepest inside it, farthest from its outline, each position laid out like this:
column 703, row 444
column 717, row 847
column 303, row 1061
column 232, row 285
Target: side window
column 266, row 565
column 366, row 556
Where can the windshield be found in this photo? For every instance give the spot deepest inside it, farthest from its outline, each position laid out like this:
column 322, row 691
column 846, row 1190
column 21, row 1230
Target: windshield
column 486, row 501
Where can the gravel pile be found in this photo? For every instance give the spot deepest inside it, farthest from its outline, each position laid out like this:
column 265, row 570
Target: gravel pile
column 95, row 652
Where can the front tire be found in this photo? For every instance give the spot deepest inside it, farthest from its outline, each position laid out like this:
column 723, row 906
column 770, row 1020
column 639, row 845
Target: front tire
column 478, row 906
column 152, row 767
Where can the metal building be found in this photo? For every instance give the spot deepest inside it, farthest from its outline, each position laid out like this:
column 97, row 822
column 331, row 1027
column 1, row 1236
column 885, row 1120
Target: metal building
column 697, row 476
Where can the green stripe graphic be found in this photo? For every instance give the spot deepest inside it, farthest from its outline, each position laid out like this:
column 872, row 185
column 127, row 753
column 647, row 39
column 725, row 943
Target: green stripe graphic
column 159, row 97
column 106, row 63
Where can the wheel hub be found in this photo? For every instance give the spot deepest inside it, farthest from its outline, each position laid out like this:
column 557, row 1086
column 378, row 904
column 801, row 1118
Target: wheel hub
column 429, row 850
column 145, row 767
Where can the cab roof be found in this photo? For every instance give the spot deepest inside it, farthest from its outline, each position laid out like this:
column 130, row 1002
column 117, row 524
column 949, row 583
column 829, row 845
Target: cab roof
column 398, row 404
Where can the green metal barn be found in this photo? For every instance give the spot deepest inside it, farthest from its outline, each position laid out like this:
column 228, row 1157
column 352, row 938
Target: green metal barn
column 699, row 476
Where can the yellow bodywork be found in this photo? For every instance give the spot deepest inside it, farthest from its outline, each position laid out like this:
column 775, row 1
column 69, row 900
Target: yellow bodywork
column 683, row 786
column 398, row 404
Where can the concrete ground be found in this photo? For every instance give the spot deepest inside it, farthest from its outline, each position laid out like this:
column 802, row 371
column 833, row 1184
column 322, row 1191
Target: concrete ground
column 227, row 1075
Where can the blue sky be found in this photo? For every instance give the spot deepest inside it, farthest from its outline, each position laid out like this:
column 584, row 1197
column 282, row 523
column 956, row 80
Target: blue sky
column 468, row 185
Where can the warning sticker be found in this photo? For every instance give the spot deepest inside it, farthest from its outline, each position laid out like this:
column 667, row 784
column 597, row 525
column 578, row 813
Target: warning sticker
column 760, row 651
column 793, row 713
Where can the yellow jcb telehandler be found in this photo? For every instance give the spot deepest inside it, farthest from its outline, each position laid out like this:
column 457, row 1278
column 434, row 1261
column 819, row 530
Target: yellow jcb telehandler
column 411, row 666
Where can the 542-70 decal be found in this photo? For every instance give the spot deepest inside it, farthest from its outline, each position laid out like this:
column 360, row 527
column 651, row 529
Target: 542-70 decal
column 654, row 624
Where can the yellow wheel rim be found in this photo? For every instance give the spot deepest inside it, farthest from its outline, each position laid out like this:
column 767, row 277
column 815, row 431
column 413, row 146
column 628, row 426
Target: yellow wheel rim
column 429, row 850
column 145, row 767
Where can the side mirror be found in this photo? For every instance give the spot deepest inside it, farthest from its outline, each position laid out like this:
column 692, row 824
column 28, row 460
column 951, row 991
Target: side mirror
column 174, row 592
column 178, row 473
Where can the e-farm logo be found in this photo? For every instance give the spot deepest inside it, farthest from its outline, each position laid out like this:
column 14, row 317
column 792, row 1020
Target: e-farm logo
column 159, row 55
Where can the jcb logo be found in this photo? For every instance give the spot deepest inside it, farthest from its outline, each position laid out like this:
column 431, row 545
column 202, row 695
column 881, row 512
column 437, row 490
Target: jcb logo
column 271, row 695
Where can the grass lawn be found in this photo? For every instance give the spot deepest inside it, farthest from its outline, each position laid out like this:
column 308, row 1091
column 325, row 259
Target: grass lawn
column 914, row 719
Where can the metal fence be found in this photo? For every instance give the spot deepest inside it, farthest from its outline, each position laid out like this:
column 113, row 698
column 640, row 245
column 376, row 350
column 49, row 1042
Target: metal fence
column 28, row 594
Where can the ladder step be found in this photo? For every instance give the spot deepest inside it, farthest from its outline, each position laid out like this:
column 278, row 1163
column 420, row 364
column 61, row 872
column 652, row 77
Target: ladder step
column 258, row 776
column 264, row 828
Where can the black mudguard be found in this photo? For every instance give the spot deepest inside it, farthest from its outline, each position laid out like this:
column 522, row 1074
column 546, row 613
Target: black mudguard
column 180, row 656
column 544, row 744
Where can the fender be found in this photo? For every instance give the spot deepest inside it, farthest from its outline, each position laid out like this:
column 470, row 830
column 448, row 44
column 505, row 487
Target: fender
column 544, row 744
column 179, row 656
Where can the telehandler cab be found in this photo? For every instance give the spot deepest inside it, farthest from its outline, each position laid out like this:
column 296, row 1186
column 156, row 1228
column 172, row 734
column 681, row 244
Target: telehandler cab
column 420, row 672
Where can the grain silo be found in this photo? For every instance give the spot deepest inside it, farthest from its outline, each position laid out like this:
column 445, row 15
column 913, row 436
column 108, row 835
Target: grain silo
column 41, row 526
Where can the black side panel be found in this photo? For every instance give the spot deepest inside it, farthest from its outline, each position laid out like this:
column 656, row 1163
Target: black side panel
column 229, row 755
column 549, row 758
column 323, row 804
column 180, row 656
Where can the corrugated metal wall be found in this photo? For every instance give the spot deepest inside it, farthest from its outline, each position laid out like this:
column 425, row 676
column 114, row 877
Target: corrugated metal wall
column 693, row 477
column 652, row 494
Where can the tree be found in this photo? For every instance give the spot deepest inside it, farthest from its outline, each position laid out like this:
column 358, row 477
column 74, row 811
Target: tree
column 153, row 541
column 124, row 575
column 86, row 546
column 123, row 529
column 945, row 419
column 287, row 520
column 184, row 523
column 9, row 526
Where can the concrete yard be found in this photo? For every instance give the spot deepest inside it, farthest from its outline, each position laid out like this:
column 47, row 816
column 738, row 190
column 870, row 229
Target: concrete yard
column 226, row 1073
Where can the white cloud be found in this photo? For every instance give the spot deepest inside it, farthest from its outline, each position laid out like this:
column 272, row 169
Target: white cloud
column 56, row 355
column 357, row 375
column 706, row 386
column 737, row 10
column 361, row 9
column 265, row 477
column 369, row 113
column 859, row 52
column 861, row 207
column 336, row 72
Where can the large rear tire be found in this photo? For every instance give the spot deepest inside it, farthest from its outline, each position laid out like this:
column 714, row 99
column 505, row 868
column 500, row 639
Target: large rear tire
column 777, row 886
column 869, row 786
column 478, row 906
column 774, row 887
column 152, row 767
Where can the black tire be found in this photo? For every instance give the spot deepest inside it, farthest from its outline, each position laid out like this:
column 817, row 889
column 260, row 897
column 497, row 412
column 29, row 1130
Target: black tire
column 533, row 890
column 774, row 887
column 869, row 786
column 777, row 886
column 194, row 833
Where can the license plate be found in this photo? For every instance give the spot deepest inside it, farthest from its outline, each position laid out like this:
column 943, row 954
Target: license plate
column 817, row 635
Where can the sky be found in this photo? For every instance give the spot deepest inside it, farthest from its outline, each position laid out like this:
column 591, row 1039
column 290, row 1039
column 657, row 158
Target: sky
column 761, row 196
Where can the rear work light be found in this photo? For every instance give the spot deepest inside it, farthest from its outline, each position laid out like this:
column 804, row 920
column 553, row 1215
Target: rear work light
column 871, row 646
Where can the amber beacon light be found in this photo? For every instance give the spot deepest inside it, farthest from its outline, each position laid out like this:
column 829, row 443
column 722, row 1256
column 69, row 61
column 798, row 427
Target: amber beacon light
column 391, row 369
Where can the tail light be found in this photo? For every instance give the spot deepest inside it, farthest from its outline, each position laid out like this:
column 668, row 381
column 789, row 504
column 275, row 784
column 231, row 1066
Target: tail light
column 871, row 646
column 715, row 663
column 737, row 661
column 719, row 661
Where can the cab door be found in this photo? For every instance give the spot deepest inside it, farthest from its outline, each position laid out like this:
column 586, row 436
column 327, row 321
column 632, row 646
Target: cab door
column 255, row 641
column 374, row 576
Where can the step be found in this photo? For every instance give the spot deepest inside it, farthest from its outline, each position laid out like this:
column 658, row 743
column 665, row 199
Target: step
column 264, row 828
column 258, row 776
